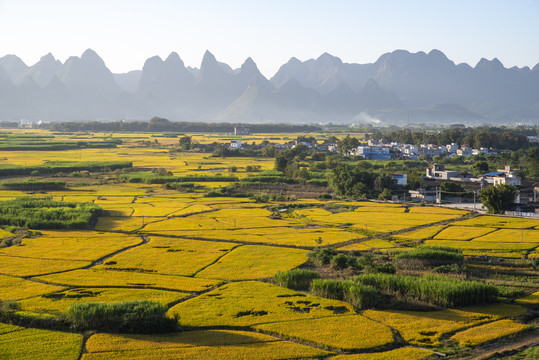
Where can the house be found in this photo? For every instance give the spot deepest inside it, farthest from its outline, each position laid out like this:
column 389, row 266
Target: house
column 374, row 152
column 507, row 179
column 465, row 151
column 235, row 144
column 241, row 131
column 452, row 148
column 439, row 172
column 506, row 176
column 401, row 179
column 424, row 193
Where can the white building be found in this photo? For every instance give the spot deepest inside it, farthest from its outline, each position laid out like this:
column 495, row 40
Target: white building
column 402, row 179
column 235, row 144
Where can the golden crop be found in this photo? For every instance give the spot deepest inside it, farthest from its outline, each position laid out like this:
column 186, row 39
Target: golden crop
column 355, row 332
column 251, row 302
column 489, row 332
column 420, row 328
column 500, row 222
column 71, row 245
column 21, row 266
column 252, row 262
column 93, row 277
column 169, row 256
column 39, row 344
column 408, row 353
column 59, row 302
column 12, row 288
column 462, row 233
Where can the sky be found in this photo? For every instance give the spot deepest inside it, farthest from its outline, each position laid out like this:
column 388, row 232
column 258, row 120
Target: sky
column 126, row 33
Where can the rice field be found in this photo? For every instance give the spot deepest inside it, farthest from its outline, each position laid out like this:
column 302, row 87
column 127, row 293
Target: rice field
column 500, row 222
column 96, row 278
column 169, row 256
column 511, row 236
column 420, row 234
column 71, row 245
column 250, row 302
column 462, row 233
column 377, row 221
column 424, row 329
column 13, row 288
column 408, row 353
column 489, row 332
column 201, row 257
column 58, row 302
column 355, row 332
column 530, row 300
column 23, row 266
column 21, row 343
column 252, row 262
column 205, row 344
column 483, row 245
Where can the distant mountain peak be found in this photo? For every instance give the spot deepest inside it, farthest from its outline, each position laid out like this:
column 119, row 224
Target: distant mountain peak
column 174, row 58
column 48, row 57
column 89, row 54
column 249, row 66
column 491, row 65
column 208, row 58
column 328, row 58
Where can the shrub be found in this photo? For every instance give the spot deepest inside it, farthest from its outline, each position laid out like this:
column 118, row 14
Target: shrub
column 339, row 261
column 44, row 213
column 436, row 290
column 297, row 279
column 330, row 289
column 361, row 296
column 321, row 256
column 429, row 255
column 143, row 317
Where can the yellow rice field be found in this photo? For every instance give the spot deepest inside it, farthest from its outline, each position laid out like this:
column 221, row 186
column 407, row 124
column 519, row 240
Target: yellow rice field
column 408, row 353
column 246, row 349
column 250, row 302
column 21, row 266
column 489, row 332
column 462, row 233
column 511, row 236
column 169, row 256
column 500, row 222
column 252, row 262
column 355, row 332
column 59, row 302
column 12, row 288
column 71, row 245
column 39, row 344
column 426, row 328
column 93, row 277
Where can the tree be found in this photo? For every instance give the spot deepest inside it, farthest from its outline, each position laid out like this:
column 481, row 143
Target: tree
column 185, row 142
column 451, row 187
column 347, row 144
column 480, row 167
column 385, row 194
column 497, row 198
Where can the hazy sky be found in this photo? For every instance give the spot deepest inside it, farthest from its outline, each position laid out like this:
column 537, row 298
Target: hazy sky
column 126, row 33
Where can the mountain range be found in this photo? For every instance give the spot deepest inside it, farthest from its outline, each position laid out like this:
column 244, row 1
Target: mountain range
column 399, row 88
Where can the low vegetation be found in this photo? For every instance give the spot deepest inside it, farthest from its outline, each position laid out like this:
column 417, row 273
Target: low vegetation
column 45, row 213
column 147, row 317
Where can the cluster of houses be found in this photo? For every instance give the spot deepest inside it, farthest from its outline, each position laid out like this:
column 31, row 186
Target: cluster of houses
column 506, row 176
column 375, row 150
column 378, row 150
